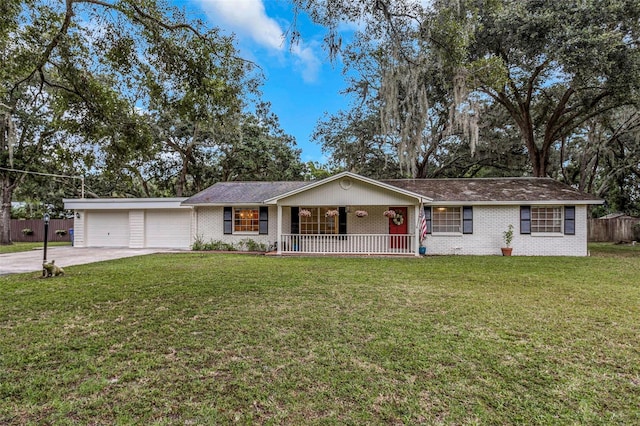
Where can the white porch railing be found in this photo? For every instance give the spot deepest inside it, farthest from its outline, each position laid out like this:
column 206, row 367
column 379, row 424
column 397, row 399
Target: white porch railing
column 348, row 243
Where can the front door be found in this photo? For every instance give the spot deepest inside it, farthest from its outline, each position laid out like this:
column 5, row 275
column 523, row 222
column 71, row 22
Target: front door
column 398, row 228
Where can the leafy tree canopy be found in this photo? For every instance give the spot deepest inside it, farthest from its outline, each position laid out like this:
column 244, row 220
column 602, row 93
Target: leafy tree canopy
column 550, row 65
column 81, row 72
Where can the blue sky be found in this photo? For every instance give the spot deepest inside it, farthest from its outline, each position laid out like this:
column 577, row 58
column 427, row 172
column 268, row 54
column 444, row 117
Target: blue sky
column 300, row 81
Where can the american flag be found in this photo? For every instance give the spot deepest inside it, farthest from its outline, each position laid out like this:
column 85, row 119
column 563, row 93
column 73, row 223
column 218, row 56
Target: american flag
column 423, row 224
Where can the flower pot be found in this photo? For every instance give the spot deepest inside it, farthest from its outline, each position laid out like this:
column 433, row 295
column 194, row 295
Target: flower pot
column 422, row 250
column 506, row 251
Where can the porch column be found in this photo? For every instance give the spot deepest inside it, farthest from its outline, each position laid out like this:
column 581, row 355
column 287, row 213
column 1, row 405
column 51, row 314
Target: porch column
column 279, row 236
column 416, row 231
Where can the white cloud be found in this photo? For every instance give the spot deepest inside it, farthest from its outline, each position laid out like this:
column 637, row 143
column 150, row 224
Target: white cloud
column 248, row 19
column 307, row 61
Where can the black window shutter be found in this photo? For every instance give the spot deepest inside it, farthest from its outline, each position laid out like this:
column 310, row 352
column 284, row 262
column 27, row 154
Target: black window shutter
column 295, row 220
column 228, row 220
column 342, row 220
column 570, row 220
column 427, row 216
column 264, row 220
column 467, row 220
column 525, row 219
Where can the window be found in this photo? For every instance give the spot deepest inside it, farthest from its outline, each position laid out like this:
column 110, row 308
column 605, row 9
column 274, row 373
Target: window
column 546, row 219
column 446, row 219
column 318, row 222
column 246, row 220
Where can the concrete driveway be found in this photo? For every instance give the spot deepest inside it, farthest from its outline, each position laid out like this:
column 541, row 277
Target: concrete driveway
column 31, row 261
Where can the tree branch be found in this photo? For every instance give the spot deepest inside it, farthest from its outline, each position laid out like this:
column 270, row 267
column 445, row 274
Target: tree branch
column 44, row 58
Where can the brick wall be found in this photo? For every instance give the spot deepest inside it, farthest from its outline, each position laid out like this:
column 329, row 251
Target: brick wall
column 490, row 222
column 210, row 227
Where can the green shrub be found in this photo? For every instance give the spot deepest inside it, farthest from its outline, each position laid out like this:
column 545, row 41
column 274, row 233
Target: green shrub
column 252, row 245
column 198, row 244
column 220, row 246
column 213, row 245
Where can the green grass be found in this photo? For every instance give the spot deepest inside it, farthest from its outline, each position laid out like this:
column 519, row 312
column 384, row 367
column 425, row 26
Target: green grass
column 611, row 249
column 17, row 247
column 195, row 338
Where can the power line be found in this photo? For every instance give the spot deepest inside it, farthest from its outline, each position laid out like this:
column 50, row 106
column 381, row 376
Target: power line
column 48, row 174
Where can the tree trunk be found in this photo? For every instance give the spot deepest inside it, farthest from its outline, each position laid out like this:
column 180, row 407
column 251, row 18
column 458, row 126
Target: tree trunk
column 539, row 157
column 540, row 160
column 5, row 211
column 532, row 149
column 182, row 177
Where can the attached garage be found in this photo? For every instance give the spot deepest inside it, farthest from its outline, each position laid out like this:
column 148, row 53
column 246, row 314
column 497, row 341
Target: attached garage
column 107, row 228
column 131, row 222
column 167, row 228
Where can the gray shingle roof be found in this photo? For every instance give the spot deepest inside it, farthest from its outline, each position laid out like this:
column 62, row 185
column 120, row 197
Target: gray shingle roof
column 242, row 192
column 440, row 190
column 493, row 189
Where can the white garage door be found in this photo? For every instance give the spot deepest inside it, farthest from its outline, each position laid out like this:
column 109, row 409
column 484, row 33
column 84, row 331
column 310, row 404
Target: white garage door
column 168, row 228
column 107, row 229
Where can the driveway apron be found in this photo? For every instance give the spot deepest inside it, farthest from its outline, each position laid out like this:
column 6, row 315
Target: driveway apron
column 31, row 261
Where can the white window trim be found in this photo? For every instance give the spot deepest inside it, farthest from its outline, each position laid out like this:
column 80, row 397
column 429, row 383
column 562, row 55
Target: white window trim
column 446, row 233
column 550, row 233
column 233, row 223
column 318, row 209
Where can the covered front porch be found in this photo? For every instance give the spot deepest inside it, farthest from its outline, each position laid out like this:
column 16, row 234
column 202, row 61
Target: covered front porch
column 348, row 214
column 363, row 244
column 360, row 230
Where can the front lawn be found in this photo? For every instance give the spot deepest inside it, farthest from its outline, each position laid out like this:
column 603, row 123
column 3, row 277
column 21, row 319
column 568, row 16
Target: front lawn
column 17, row 247
column 197, row 338
column 614, row 249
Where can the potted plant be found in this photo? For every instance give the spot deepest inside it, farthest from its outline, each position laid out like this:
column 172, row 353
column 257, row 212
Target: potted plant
column 390, row 214
column 361, row 213
column 508, row 238
column 332, row 213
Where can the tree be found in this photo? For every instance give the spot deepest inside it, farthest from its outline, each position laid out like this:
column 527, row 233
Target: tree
column 195, row 108
column 318, row 171
column 181, row 161
column 80, row 61
column 563, row 63
column 354, row 142
column 550, row 65
column 604, row 159
column 262, row 152
column 400, row 122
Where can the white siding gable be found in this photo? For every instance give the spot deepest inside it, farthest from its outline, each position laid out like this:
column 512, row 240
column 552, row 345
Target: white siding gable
column 347, row 191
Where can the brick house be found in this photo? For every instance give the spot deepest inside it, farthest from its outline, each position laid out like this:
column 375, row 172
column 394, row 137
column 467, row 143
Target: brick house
column 351, row 214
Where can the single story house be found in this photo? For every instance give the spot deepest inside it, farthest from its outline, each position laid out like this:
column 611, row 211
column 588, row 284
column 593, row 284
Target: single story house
column 351, row 214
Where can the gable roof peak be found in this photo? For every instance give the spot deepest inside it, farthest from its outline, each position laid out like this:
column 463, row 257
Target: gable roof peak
column 349, row 175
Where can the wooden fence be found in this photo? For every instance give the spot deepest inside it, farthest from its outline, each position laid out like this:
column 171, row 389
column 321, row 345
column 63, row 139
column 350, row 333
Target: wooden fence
column 37, row 230
column 612, row 230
